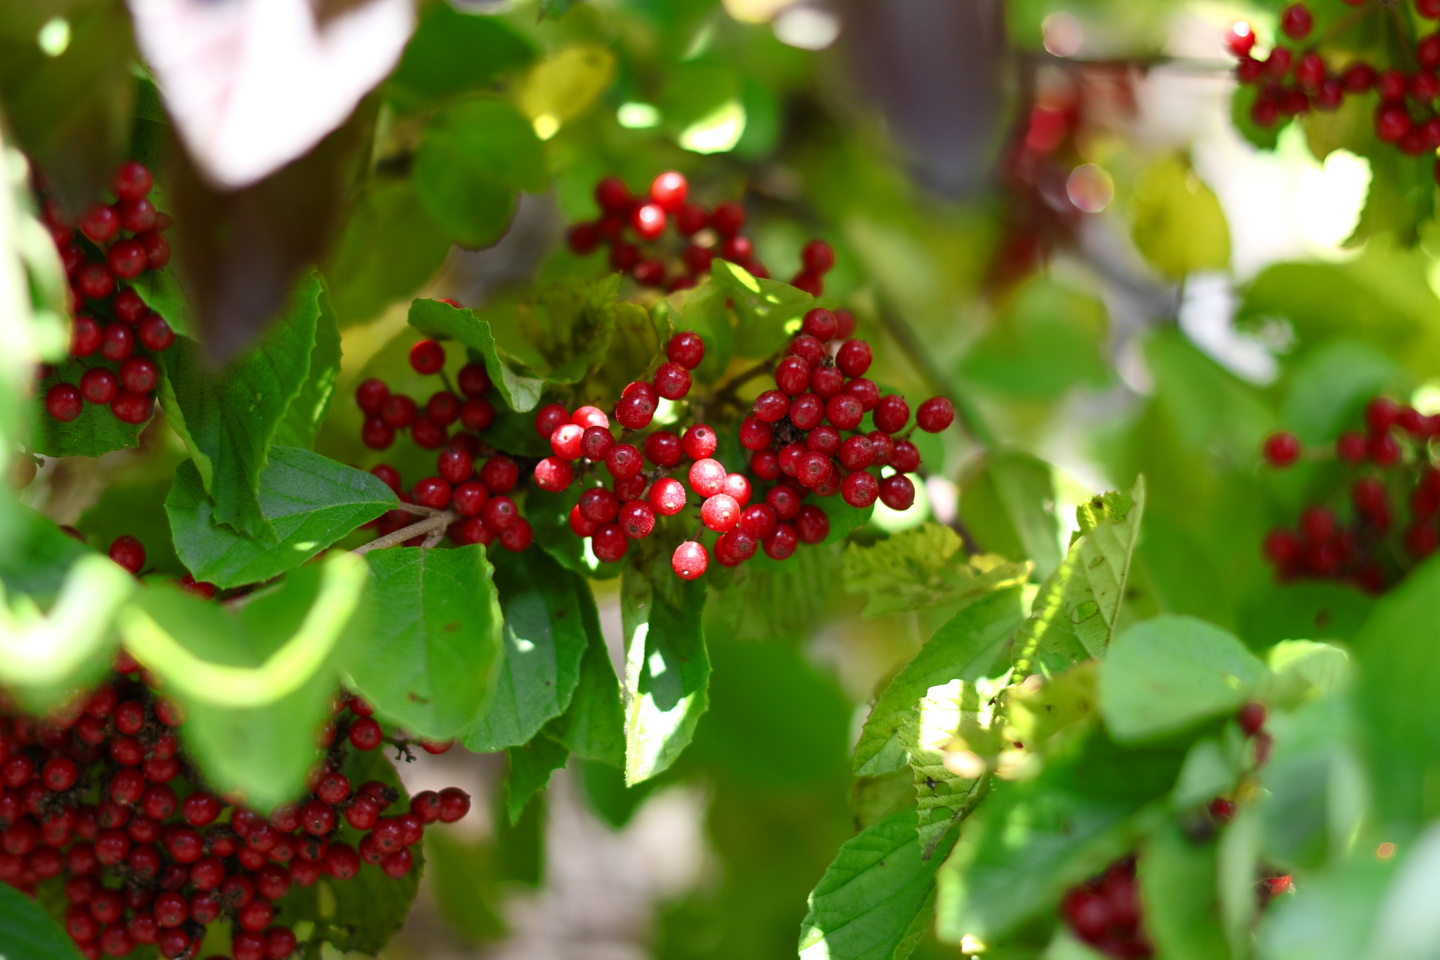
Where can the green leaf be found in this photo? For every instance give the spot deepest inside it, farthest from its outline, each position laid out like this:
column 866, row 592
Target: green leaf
column 1169, row 673
column 545, row 637
column 555, row 9
column 702, row 309
column 762, row 306
column 772, row 600
column 1007, row 500
column 432, row 649
column 953, row 712
column 307, row 411
column 371, row 906
column 1031, row 840
column 454, row 52
column 872, row 895
column 255, row 685
column 530, row 767
column 1046, row 341
column 965, row 648
column 135, row 506
column 390, row 246
column 474, row 157
column 666, row 668
column 36, row 555
column 164, row 292
column 1304, row 669
column 1338, row 915
column 593, row 726
column 311, row 501
column 1176, row 221
column 96, row 431
column 1178, row 886
column 1330, row 386
column 461, row 873
column 228, row 420
column 1075, row 613
column 30, row 933
column 548, row 514
column 520, row 392
column 922, row 567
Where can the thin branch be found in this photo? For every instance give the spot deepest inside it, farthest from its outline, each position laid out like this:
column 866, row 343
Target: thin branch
column 923, row 360
column 429, row 525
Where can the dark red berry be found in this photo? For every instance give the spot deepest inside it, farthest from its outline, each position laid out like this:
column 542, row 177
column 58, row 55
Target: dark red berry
column 686, row 349
column 128, row 552
column 427, row 357
column 98, row 385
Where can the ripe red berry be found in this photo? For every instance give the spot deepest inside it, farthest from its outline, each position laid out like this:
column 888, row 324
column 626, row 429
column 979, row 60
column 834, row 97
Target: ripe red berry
column 859, row 489
column 554, row 474
column 891, row 414
column 100, row 223
column 771, row 406
column 377, row 434
column 897, row 492
column 669, row 191
column 707, row 477
column 137, row 216
column 127, row 259
column 844, row 411
column 720, row 512
column 499, row 514
column 687, row 349
column 672, row 380
column 1351, row 446
column 95, row 280
column 128, row 552
column 637, row 519
column 811, row 525
column 935, row 414
column 624, row 460
column 131, row 180
column 155, row 333
column 1297, row 21
column 819, row 323
column 117, row 341
column 667, row 496
column 365, row 733
column 584, row 238
column 85, row 336
column 609, row 543
column 138, row 375
column 427, row 357
column 817, row 257
column 1383, row 449
column 728, row 218
column 827, row 382
column 853, row 358
column 699, row 441
column 648, row 220
column 98, row 385
column 689, row 560
column 157, row 249
column 432, row 492
column 1251, row 718
column 1240, row 38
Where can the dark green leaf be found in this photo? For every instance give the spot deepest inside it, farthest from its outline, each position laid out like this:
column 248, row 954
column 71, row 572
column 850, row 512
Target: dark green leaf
column 30, row 933
column 872, row 894
column 475, row 156
column 530, row 768
column 593, row 726
column 548, row 514
column 432, row 649
column 667, row 670
column 520, row 392
column 229, row 419
column 311, row 501
column 544, row 637
column 763, row 307
column 1180, row 892
column 94, row 432
column 963, row 649
column 1169, row 673
column 35, row 556
column 307, row 411
column 389, row 247
column 1075, row 613
column 164, row 292
column 454, row 52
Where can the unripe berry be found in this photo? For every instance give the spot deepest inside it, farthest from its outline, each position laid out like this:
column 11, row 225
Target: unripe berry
column 689, row 560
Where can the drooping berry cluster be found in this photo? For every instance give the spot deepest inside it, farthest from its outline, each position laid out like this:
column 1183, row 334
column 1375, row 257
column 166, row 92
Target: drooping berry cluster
column 1104, row 912
column 479, row 492
column 797, row 435
column 101, row 796
column 1397, row 475
column 1293, row 81
column 632, row 226
column 115, row 335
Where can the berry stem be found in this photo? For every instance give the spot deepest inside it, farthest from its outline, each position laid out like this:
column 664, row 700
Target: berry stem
column 435, row 524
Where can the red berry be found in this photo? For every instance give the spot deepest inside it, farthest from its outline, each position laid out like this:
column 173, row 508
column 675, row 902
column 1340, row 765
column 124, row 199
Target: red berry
column 131, row 181
column 633, row 412
column 811, row 525
column 687, row 349
column 935, row 414
column 599, row 505
column 667, row 496
column 100, row 223
column 157, row 249
column 555, row 474
column 1296, row 21
column 565, row 441
column 689, row 560
column 371, row 395
column 891, row 414
column 85, row 336
column 595, row 442
column 672, row 380
column 897, row 492
column 1251, row 718
column 473, row 380
column 117, row 341
column 477, row 414
column 817, row 256
column 1380, row 414
column 455, row 465
column 819, row 323
column 500, row 474
column 669, row 191
column 859, row 489
column 663, row 448
column 612, row 195
column 468, row 498
column 806, row 411
column 699, row 441
column 127, row 259
column 728, row 218
column 589, row 417
column 98, row 385
column 549, row 417
column 137, row 216
column 637, row 519
column 844, row 411
column 771, row 406
column 499, row 514
column 128, row 552
column 138, row 375
column 377, row 434
column 432, row 492
column 1351, row 447
column 365, row 733
column 624, row 460
column 1281, row 449
column 827, row 382
column 648, row 221
column 155, row 333
column 707, row 477
column 720, row 512
column 1240, row 38
column 853, row 358
column 443, row 408
column 584, row 238
column 1383, row 450
column 427, row 357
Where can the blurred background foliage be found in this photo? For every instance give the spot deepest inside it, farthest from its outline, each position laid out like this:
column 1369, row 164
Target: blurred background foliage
column 1041, row 208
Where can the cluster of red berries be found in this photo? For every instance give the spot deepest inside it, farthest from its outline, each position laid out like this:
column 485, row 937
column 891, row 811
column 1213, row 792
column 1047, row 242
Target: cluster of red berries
column 101, row 796
column 797, row 435
column 115, row 334
column 1104, row 912
column 705, row 235
column 1293, row 82
column 478, row 492
column 1373, row 550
